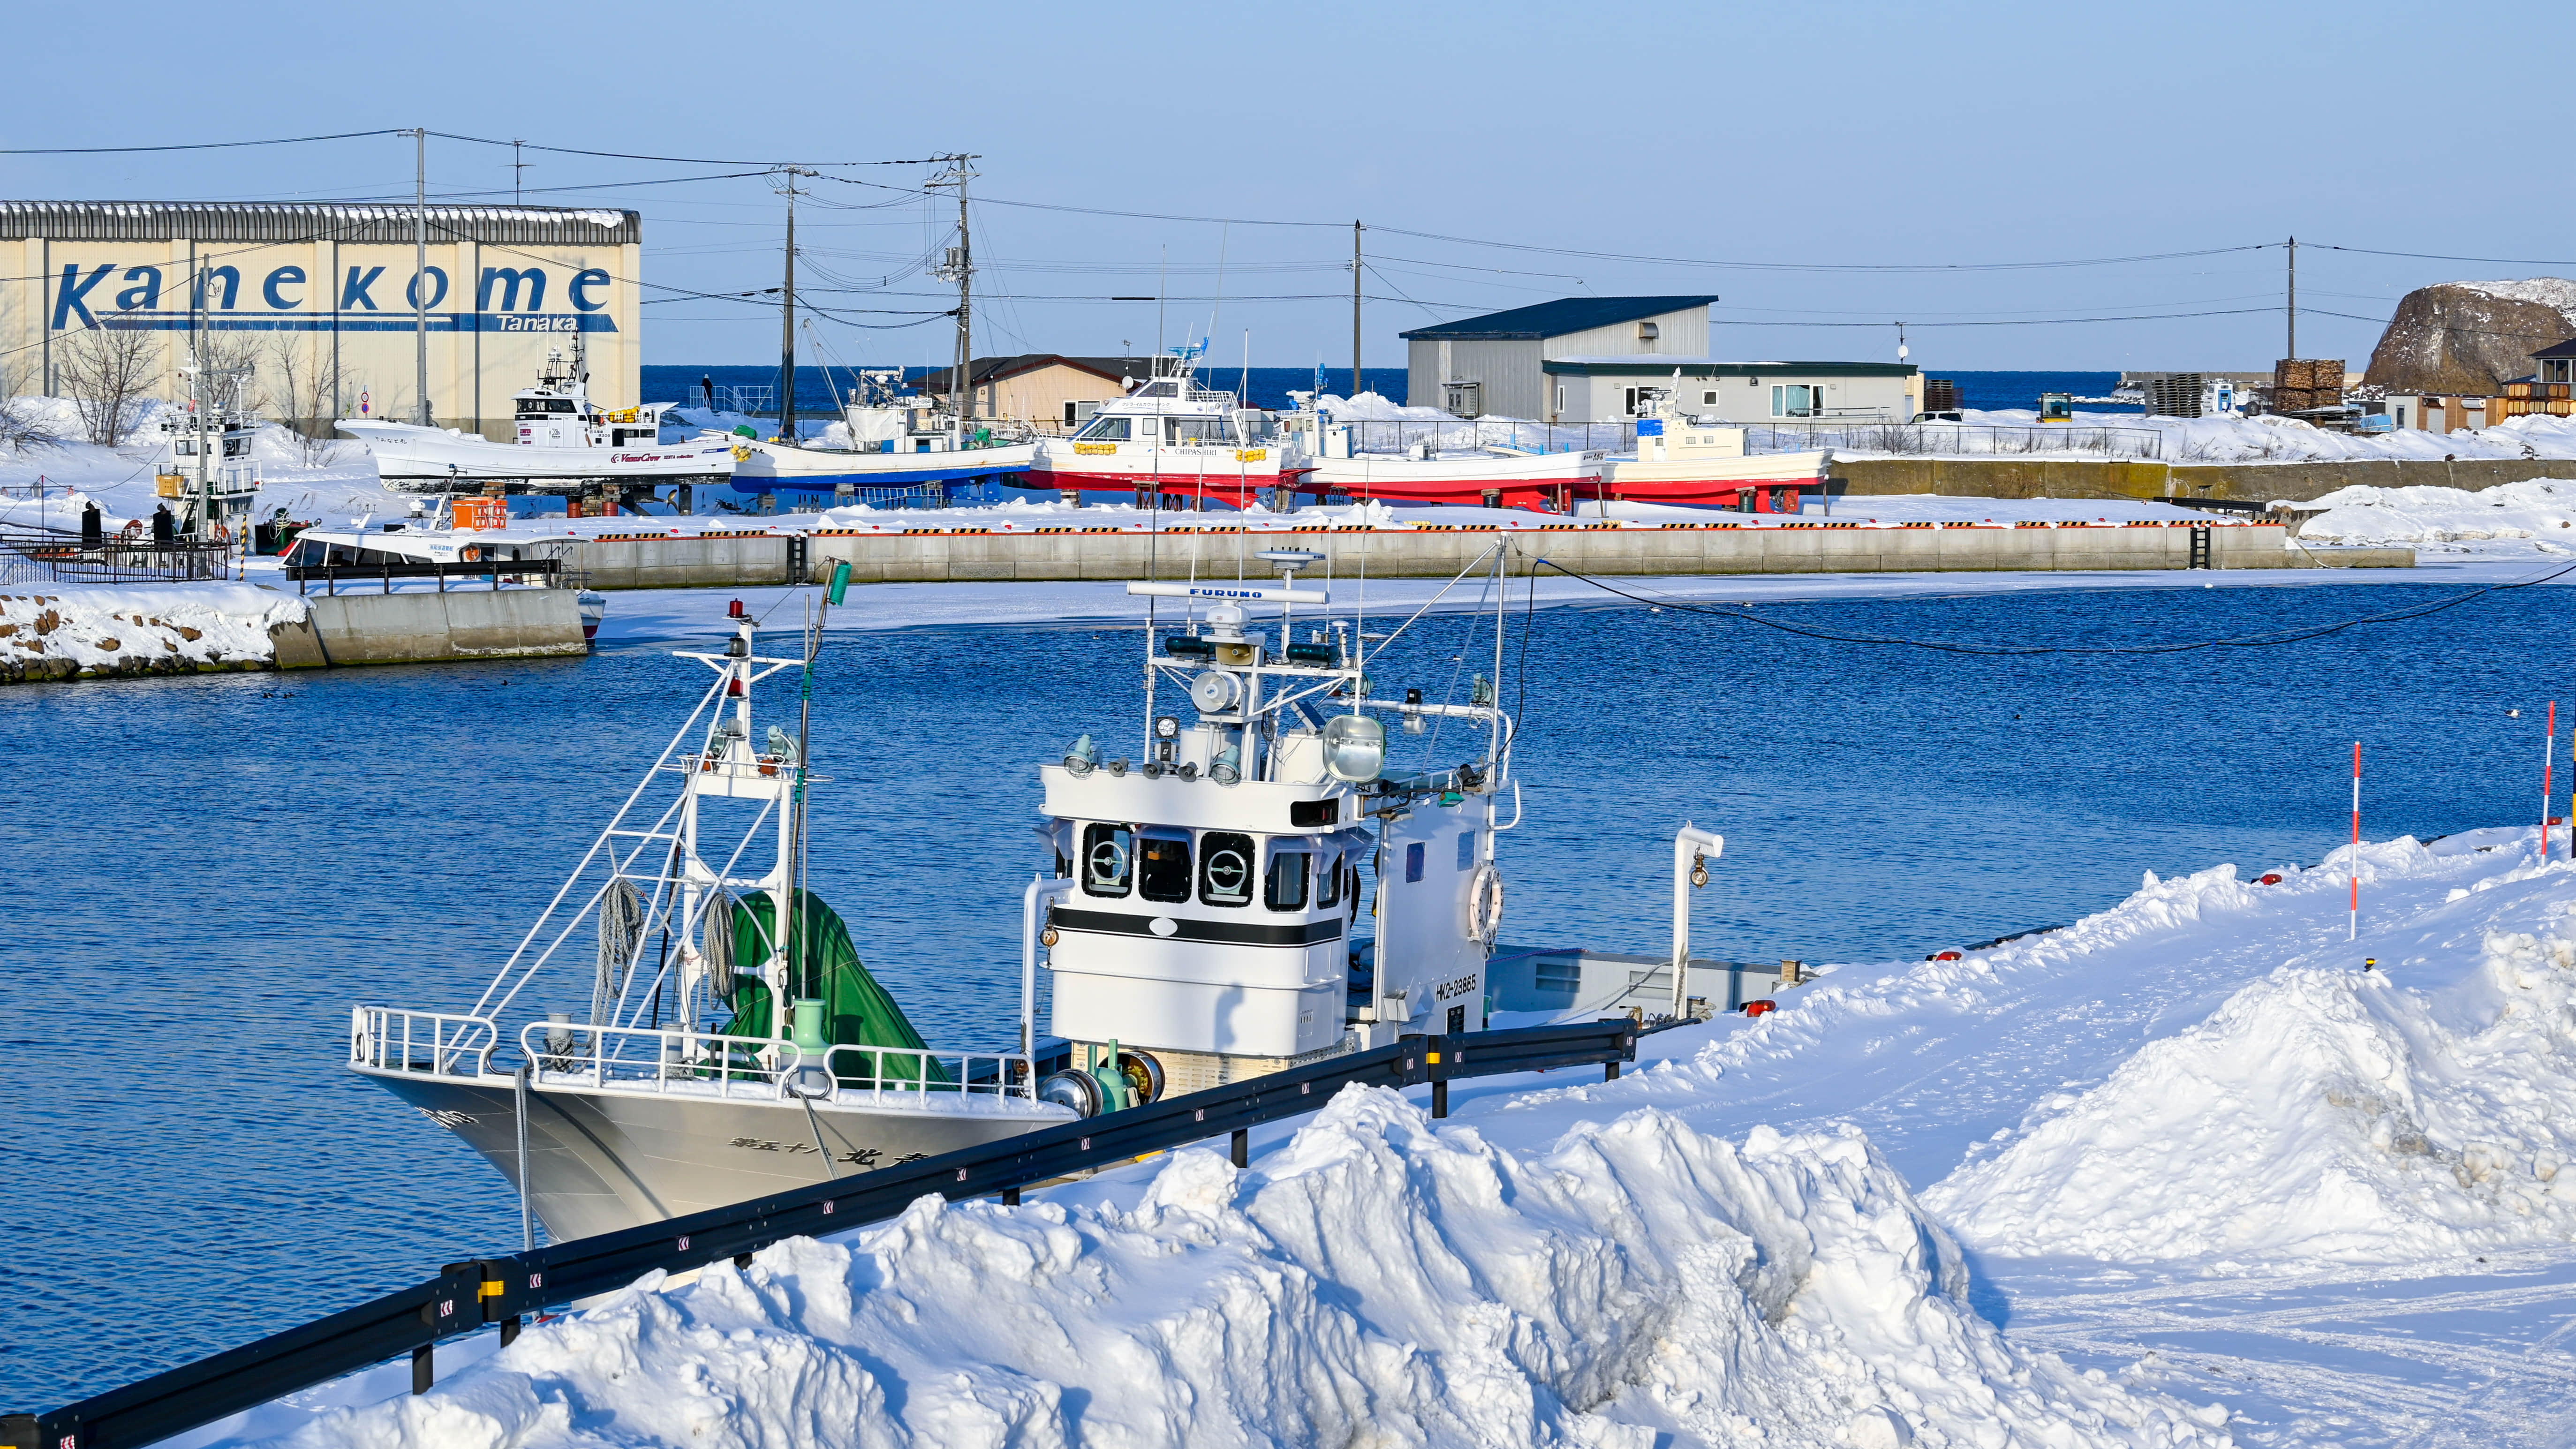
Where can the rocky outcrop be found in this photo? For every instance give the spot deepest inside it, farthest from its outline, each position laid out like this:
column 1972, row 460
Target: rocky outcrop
column 2469, row 337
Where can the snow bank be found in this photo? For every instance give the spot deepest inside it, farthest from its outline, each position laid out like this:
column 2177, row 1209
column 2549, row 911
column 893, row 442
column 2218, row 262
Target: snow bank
column 2324, row 1112
column 1380, row 1281
column 2542, row 511
column 338, row 486
column 66, row 631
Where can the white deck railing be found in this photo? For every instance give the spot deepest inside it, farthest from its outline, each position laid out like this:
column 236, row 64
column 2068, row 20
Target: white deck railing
column 667, row 1062
column 393, row 1040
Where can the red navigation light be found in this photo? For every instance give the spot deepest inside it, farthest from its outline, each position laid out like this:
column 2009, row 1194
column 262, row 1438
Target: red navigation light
column 735, row 610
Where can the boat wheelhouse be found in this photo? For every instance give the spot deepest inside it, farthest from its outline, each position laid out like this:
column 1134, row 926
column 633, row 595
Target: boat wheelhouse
column 1173, row 439
column 1692, row 460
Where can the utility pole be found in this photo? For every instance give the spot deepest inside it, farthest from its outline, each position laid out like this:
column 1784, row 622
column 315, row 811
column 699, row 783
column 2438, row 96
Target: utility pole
column 787, row 316
column 1355, row 309
column 518, row 173
column 2294, row 298
column 960, row 268
column 420, row 274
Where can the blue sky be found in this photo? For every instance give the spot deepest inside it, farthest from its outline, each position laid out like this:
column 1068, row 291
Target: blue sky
column 1791, row 159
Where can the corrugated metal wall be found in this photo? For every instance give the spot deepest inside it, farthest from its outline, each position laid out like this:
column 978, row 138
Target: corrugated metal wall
column 261, row 221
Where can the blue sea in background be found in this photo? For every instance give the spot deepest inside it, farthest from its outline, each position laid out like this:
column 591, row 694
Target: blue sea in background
column 1268, row 387
column 234, row 860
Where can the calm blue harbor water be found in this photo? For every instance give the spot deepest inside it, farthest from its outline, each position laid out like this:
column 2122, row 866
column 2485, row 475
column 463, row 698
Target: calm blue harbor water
column 208, row 872
column 1269, row 386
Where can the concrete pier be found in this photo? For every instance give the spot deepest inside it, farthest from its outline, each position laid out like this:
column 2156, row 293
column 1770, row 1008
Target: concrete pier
column 419, row 628
column 1811, row 546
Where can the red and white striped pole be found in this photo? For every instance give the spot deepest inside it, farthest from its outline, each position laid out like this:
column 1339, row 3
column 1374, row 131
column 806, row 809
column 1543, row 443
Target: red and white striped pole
column 2354, row 871
column 2548, row 758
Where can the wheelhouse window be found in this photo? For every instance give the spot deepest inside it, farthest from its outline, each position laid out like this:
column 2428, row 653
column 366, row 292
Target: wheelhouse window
column 1163, row 866
column 1108, row 860
column 1283, row 888
column 1107, row 428
column 1208, row 431
column 1225, row 868
column 1328, row 880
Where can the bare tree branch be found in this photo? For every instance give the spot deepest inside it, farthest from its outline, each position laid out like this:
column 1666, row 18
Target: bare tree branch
column 105, row 371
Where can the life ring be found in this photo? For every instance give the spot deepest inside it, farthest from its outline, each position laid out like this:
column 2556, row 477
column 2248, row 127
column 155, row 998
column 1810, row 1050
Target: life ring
column 1485, row 904
column 223, row 534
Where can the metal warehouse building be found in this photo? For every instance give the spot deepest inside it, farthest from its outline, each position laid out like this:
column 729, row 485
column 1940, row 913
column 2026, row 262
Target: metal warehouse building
column 319, row 298
column 1585, row 360
column 1494, row 364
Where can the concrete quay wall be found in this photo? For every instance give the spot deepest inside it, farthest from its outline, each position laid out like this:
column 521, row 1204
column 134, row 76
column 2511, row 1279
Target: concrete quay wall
column 1817, row 546
column 2034, row 477
column 419, row 628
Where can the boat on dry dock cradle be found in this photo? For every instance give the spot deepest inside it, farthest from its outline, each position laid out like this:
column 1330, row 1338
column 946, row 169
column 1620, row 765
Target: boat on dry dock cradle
column 689, row 1024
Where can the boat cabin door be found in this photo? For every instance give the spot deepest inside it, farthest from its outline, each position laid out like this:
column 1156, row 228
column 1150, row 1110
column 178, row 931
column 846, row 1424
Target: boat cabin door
column 1438, row 903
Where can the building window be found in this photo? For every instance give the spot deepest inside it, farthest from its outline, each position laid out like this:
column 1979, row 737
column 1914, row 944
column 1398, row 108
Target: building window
column 1069, row 418
column 1632, row 402
column 1708, row 399
column 1560, row 397
column 1796, row 400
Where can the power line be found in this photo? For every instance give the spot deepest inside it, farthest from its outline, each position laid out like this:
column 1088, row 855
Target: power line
column 1949, row 646
column 192, row 145
column 2438, row 257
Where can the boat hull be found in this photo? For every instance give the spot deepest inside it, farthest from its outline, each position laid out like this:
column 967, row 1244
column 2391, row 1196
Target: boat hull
column 1543, row 481
column 1232, row 475
column 415, row 455
column 1769, row 479
column 768, row 467
column 602, row 1161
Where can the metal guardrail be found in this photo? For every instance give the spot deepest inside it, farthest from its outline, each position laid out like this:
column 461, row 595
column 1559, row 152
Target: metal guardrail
column 468, row 1296
column 383, row 574
column 54, row 558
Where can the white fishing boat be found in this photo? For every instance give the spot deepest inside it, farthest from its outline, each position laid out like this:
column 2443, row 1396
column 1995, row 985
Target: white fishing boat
column 1447, row 463
column 1682, row 459
column 433, row 541
column 564, row 439
column 895, row 442
column 1200, row 918
column 1172, row 438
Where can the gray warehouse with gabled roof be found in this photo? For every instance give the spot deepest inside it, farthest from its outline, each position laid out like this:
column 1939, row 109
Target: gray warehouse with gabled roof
column 1585, row 359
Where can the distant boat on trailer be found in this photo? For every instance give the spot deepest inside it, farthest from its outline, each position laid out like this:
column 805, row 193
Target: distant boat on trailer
column 564, row 438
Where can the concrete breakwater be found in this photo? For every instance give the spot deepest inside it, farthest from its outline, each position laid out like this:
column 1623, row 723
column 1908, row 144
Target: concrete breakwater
column 1816, row 546
column 2242, row 482
column 132, row 632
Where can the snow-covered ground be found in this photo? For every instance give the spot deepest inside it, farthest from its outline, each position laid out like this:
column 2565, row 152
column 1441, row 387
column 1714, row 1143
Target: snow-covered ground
column 2187, row 1171
column 2529, row 519
column 336, row 487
